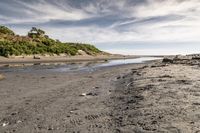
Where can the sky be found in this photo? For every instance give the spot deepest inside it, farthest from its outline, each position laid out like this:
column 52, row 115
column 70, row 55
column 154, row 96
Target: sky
column 118, row 26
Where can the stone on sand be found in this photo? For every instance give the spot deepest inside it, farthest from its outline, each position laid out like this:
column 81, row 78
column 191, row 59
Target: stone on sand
column 1, row 77
column 83, row 94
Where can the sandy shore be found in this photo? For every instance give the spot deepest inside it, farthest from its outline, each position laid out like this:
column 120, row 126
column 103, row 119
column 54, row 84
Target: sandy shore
column 150, row 98
column 59, row 102
column 42, row 59
column 159, row 98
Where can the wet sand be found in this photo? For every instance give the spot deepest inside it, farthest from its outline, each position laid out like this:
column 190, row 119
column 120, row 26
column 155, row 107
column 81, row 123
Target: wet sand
column 53, row 102
column 140, row 98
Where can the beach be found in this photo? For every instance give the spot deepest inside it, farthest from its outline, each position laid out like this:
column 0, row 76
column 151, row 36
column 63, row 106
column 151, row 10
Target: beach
column 58, row 102
column 149, row 97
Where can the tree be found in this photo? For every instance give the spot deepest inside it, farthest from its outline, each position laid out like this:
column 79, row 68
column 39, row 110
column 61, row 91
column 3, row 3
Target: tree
column 35, row 33
column 6, row 30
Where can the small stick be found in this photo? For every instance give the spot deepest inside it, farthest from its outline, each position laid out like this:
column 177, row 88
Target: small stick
column 129, row 84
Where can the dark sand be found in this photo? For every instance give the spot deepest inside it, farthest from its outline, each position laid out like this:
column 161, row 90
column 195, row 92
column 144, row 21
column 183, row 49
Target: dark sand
column 129, row 99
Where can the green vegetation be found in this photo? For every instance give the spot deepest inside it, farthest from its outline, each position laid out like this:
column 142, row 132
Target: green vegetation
column 6, row 30
column 36, row 42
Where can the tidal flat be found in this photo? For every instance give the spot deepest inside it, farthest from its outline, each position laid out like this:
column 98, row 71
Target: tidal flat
column 147, row 97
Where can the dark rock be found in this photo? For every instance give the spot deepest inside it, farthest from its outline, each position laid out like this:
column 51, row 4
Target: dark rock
column 196, row 104
column 92, row 94
column 50, row 128
column 14, row 113
column 182, row 57
column 167, row 60
column 158, row 65
column 195, row 58
column 118, row 77
column 166, row 76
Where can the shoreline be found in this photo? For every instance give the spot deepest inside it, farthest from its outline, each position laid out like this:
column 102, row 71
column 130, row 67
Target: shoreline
column 4, row 60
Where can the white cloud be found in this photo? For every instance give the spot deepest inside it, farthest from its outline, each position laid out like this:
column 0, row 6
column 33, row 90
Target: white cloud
column 149, row 51
column 151, row 21
column 186, row 28
column 166, row 7
column 42, row 11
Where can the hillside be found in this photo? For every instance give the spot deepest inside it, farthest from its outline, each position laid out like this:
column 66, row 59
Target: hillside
column 37, row 42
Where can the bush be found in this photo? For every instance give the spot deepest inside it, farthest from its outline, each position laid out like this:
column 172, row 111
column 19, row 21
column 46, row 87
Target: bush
column 17, row 45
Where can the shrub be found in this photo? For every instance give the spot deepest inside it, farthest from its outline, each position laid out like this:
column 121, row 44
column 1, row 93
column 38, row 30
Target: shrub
column 39, row 43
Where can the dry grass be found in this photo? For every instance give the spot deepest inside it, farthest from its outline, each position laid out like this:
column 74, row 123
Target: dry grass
column 1, row 77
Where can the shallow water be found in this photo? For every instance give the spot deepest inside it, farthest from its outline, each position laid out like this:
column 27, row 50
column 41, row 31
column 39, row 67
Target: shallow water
column 66, row 66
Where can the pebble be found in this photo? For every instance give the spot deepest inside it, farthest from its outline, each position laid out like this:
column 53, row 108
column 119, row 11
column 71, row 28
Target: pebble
column 71, row 111
column 14, row 113
column 50, row 128
column 5, row 124
column 83, row 94
column 19, row 121
column 118, row 77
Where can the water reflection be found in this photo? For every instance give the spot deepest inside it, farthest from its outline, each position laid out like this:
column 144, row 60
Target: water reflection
column 75, row 66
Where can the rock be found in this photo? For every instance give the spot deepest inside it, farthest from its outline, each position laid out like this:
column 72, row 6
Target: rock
column 14, row 113
column 196, row 58
column 50, row 128
column 19, row 121
column 182, row 57
column 36, row 57
column 83, row 94
column 5, row 124
column 165, row 76
column 196, row 104
column 92, row 94
column 71, row 111
column 1, row 77
column 118, row 77
column 81, row 52
column 167, row 60
column 158, row 65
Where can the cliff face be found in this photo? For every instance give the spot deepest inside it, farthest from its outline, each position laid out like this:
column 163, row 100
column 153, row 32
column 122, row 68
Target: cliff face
column 37, row 42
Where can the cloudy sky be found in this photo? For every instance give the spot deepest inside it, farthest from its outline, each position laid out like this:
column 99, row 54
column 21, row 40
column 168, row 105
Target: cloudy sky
column 118, row 26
